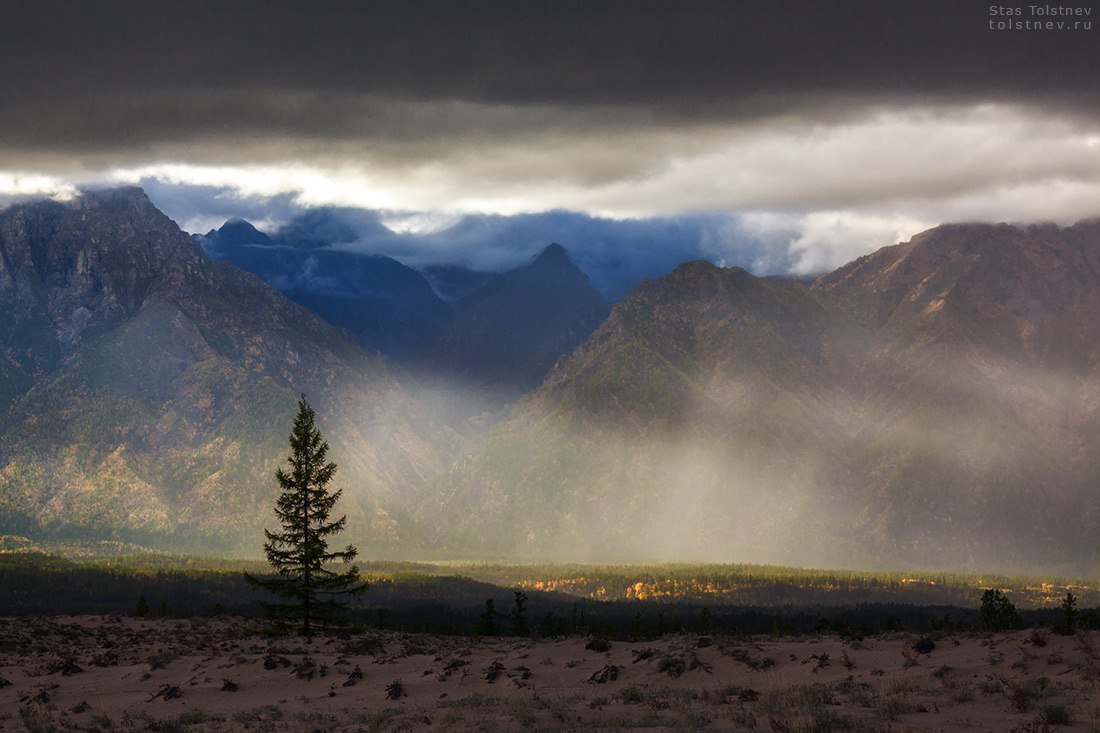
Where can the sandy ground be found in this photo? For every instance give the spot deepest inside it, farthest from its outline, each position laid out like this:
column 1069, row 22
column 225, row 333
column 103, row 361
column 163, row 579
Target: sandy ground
column 123, row 674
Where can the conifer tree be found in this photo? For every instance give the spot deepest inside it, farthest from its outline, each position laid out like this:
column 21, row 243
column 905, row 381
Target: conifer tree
column 299, row 553
column 519, row 615
column 487, row 622
column 1069, row 612
column 998, row 613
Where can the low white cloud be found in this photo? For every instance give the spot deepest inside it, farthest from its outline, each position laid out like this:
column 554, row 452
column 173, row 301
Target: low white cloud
column 418, row 222
column 823, row 189
column 824, row 240
column 311, row 185
column 17, row 185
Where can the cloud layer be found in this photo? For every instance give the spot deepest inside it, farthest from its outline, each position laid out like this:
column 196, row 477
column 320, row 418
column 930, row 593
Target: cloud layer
column 826, row 131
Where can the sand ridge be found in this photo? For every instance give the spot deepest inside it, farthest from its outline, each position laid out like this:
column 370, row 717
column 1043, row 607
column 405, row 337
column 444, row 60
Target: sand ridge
column 121, row 674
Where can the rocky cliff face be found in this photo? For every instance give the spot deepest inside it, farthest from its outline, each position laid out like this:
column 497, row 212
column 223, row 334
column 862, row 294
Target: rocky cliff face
column 152, row 388
column 71, row 272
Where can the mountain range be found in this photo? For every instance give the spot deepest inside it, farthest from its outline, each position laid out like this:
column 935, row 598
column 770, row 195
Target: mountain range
column 492, row 334
column 933, row 404
column 147, row 386
column 385, row 304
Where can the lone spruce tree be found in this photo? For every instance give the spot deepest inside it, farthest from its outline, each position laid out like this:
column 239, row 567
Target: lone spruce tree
column 299, row 553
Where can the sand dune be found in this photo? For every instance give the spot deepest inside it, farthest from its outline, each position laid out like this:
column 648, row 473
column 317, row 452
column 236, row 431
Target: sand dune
column 92, row 673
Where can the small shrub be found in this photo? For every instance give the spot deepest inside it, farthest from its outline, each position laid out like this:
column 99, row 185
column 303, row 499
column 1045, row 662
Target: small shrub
column 754, row 663
column 36, row 719
column 395, row 690
column 828, row 720
column 192, row 717
column 673, row 666
column 943, row 672
column 1056, row 715
column 598, row 645
column 923, row 645
column 743, row 719
column 1021, row 697
column 901, row 686
column 991, row 686
column 1037, row 638
column 963, row 694
column 610, row 673
column 893, row 707
column 1085, row 641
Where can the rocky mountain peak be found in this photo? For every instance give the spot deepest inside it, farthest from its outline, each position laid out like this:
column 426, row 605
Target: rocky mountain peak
column 505, row 336
column 93, row 261
column 237, row 231
column 553, row 254
column 1031, row 292
column 113, row 198
column 553, row 262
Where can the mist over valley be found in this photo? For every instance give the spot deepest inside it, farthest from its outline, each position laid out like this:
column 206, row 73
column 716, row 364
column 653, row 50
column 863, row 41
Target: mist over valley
column 932, row 405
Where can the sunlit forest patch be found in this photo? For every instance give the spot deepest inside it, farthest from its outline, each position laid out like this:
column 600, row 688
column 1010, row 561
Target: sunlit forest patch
column 449, row 597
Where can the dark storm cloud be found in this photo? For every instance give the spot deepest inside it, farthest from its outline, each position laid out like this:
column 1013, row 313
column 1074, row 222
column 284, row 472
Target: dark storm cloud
column 87, row 76
column 825, row 129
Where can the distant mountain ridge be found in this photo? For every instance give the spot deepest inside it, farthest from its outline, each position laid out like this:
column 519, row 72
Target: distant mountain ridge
column 505, row 336
column 384, row 303
column 497, row 334
column 934, row 404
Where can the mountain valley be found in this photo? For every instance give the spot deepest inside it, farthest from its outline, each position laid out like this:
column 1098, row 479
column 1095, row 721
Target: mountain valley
column 933, row 404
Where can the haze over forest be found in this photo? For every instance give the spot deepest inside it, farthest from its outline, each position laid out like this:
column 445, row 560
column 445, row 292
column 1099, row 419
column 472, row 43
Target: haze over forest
column 709, row 281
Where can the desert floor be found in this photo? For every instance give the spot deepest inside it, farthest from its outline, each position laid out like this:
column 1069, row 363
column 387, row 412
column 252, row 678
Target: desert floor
column 123, row 674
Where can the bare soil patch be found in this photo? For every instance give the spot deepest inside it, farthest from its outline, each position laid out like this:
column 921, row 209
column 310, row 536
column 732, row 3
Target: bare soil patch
column 123, row 674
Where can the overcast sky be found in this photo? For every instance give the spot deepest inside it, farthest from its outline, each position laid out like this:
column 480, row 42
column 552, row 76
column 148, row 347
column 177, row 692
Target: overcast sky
column 821, row 130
